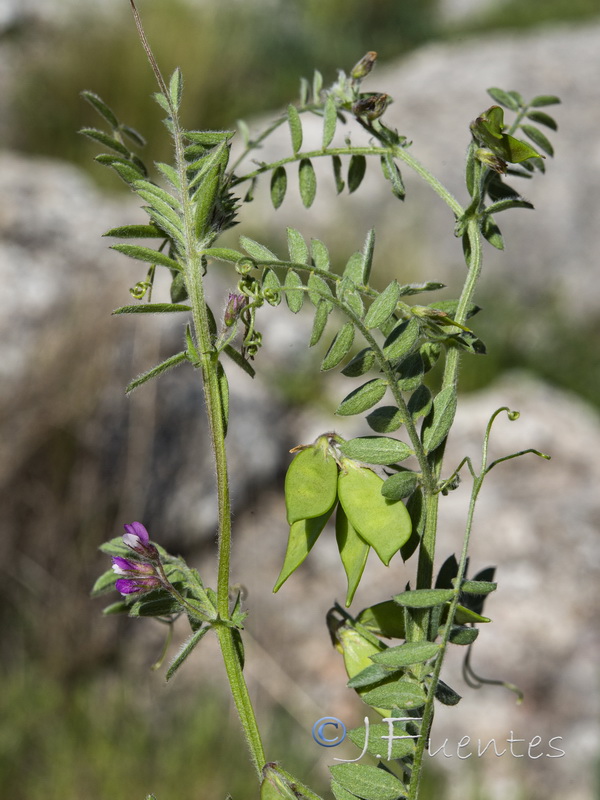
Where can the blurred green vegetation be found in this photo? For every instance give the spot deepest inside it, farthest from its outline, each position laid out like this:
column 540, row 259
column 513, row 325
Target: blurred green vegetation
column 515, row 14
column 130, row 736
column 238, row 60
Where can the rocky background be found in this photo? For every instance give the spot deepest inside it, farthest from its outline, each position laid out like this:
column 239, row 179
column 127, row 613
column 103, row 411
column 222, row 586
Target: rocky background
column 78, row 458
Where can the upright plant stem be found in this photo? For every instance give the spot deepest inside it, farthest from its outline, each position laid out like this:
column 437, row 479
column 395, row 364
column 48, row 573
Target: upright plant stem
column 214, row 410
column 208, row 358
column 428, row 541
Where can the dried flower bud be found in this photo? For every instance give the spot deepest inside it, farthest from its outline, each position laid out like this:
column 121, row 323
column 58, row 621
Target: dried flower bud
column 361, row 69
column 490, row 160
column 235, row 305
column 371, row 106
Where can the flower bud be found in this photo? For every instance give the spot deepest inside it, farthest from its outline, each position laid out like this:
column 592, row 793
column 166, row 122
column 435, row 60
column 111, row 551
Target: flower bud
column 371, row 106
column 235, row 305
column 136, row 538
column 361, row 69
column 135, row 576
column 490, row 160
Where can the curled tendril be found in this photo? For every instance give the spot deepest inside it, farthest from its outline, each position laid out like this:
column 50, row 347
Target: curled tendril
column 245, row 265
column 140, row 289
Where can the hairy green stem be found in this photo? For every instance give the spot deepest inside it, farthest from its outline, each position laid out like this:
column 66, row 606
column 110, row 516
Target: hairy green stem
column 422, row 742
column 208, row 363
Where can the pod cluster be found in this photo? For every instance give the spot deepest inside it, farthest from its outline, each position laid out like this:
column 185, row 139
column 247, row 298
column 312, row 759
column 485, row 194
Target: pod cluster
column 318, row 483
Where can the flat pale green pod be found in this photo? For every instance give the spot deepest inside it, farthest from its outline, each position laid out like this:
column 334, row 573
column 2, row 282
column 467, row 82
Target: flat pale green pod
column 383, row 524
column 303, row 534
column 354, row 552
column 310, row 484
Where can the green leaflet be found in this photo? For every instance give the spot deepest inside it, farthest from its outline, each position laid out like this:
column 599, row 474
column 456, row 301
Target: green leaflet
column 438, row 422
column 320, row 255
column 402, row 339
column 369, row 783
column 152, row 308
column 238, row 359
column 105, row 111
column 354, row 552
column 360, row 364
column 170, row 174
column 209, row 138
column 339, row 347
column 205, row 201
column 256, row 250
column 165, row 365
column 318, row 290
column 224, row 395
column 376, row 450
column 545, row 100
column 295, row 128
column 185, row 650
column 379, row 742
column 308, row 182
column 161, row 194
column 385, row 419
column 352, row 300
column 146, row 254
column 320, row 321
column 294, row 295
column 478, row 587
column 446, row 695
column 135, row 232
column 340, row 793
column 223, row 254
column 400, row 485
column 537, row 137
column 278, row 186
column 503, row 98
column 370, row 675
column 383, row 306
column 329, row 121
column 297, row 247
column 176, row 88
column 336, row 162
column 410, row 372
column 358, row 268
column 405, row 654
column 209, row 161
column 362, row 398
column 391, row 172
column 400, row 694
column 106, row 140
column 303, row 535
column 383, row 619
column 424, row 598
column 356, row 172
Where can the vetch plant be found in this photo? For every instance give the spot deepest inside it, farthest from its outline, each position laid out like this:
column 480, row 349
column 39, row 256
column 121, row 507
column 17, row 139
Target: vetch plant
column 382, row 339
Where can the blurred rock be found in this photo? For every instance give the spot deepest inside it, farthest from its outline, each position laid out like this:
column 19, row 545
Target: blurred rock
column 438, row 90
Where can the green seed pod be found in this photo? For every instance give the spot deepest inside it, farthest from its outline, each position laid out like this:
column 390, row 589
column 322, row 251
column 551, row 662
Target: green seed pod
column 383, row 524
column 357, row 651
column 311, row 482
column 354, row 552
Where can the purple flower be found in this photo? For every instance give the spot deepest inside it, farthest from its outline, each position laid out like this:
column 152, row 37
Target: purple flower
column 138, row 540
column 138, row 576
column 236, row 303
